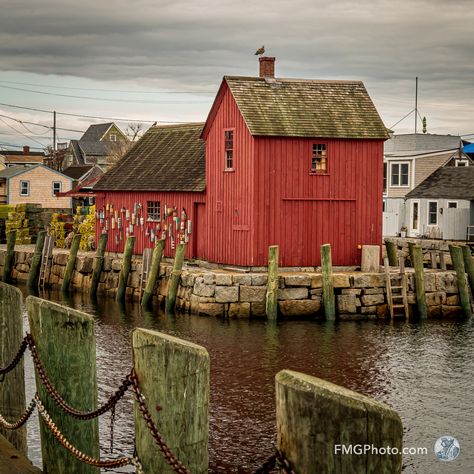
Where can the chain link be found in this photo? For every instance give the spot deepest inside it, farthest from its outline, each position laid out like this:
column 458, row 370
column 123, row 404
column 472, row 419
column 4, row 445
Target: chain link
column 274, row 462
column 54, row 394
column 170, row 458
column 21, row 421
column 16, row 360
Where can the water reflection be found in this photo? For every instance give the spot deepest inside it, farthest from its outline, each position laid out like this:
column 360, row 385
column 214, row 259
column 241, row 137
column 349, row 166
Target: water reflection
column 424, row 370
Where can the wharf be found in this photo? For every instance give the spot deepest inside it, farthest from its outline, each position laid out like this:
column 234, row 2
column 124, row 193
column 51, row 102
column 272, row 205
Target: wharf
column 13, row 462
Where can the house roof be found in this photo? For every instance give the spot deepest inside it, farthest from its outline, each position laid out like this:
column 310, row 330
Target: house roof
column 451, row 182
column 166, row 158
column 23, row 159
column 95, row 132
column 421, row 142
column 304, row 108
column 77, row 172
column 16, row 170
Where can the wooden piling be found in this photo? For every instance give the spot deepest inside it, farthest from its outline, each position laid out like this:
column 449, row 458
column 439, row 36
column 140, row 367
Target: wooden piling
column 125, row 270
column 12, row 387
column 175, row 276
column 98, row 264
column 71, row 262
column 392, row 252
column 469, row 266
column 32, row 281
column 463, row 286
column 417, row 262
column 154, row 272
column 271, row 306
column 173, row 374
column 328, row 283
column 65, row 342
column 9, row 256
column 315, row 419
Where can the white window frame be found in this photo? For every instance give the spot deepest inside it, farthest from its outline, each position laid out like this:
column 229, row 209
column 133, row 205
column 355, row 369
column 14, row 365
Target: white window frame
column 113, row 137
column 402, row 162
column 461, row 162
column 27, row 188
column 60, row 187
column 386, row 173
column 452, row 202
column 412, row 229
column 428, row 214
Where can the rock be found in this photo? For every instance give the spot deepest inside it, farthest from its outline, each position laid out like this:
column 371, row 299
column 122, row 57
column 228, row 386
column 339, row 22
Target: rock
column 317, row 281
column 347, row 303
column 297, row 280
column 373, row 291
column 84, row 264
column 355, row 317
column 223, row 279
column 451, row 311
column 430, row 282
column 227, row 294
column 77, row 279
column 259, row 280
column 341, row 281
column 292, row 308
column 293, row 293
column 116, row 264
column 447, row 282
column 252, row 294
column 370, row 258
column 351, row 291
column 210, row 309
column 107, row 264
column 452, row 300
column 382, row 310
column 23, row 268
column 368, row 310
column 371, row 300
column 201, row 289
column 188, row 279
column 60, row 258
column 435, row 299
column 209, row 278
column 369, row 280
column 434, row 311
column 257, row 309
column 242, row 279
column 239, row 310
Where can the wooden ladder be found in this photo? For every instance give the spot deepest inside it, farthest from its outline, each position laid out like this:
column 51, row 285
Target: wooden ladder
column 397, row 299
column 147, row 254
column 46, row 260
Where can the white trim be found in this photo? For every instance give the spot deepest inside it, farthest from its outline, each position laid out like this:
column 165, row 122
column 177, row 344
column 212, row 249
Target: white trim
column 428, row 214
column 465, row 162
column 412, row 230
column 410, row 166
column 107, row 131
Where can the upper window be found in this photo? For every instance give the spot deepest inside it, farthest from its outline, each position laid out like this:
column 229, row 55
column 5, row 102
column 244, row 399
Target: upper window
column 113, row 137
column 432, row 213
column 57, row 186
column 400, row 174
column 24, row 188
column 452, row 204
column 319, row 162
column 153, row 210
column 461, row 162
column 229, row 149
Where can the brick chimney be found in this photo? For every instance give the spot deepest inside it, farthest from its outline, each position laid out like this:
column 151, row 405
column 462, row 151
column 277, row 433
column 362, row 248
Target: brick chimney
column 26, row 150
column 267, row 66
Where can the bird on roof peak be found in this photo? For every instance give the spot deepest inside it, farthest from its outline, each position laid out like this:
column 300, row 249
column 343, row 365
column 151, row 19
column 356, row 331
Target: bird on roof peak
column 260, row 51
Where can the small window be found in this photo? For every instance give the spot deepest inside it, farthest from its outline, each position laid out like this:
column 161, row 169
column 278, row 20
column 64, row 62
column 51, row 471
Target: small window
column 319, row 163
column 461, row 163
column 432, row 213
column 113, row 137
column 24, row 188
column 384, row 178
column 452, row 204
column 229, row 149
column 57, row 186
column 400, row 174
column 153, row 211
column 415, row 215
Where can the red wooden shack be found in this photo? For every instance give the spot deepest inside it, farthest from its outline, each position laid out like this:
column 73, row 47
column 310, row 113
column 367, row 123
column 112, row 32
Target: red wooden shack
column 291, row 162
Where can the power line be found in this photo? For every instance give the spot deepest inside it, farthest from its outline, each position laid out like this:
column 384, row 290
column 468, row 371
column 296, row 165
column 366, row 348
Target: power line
column 20, row 132
column 106, row 99
column 49, row 127
column 3, row 144
column 403, row 118
column 103, row 90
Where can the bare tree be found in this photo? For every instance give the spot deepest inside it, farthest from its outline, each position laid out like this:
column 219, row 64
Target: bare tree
column 119, row 148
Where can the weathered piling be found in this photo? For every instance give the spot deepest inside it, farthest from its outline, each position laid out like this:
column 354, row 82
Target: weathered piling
column 328, row 283
column 469, row 266
column 98, row 264
column 316, row 420
column 71, row 262
column 463, row 287
column 174, row 278
column 32, row 281
column 8, row 264
column 271, row 306
column 12, row 387
column 65, row 342
column 417, row 262
column 174, row 375
column 392, row 252
column 125, row 270
column 154, row 272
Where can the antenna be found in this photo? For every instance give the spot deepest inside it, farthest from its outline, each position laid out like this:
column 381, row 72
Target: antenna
column 416, row 102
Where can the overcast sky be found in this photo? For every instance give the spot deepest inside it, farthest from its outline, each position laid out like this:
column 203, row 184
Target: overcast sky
column 95, row 49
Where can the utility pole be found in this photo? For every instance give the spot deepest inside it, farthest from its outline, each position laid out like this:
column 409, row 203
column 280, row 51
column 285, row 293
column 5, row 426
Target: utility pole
column 54, row 131
column 416, row 103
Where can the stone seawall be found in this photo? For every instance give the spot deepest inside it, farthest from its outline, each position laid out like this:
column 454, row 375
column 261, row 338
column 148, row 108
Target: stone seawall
column 236, row 294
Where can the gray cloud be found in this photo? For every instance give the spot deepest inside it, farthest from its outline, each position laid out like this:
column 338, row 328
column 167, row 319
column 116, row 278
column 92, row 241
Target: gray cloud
column 190, row 45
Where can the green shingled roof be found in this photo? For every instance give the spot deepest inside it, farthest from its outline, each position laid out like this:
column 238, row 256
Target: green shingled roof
column 166, row 158
column 306, row 108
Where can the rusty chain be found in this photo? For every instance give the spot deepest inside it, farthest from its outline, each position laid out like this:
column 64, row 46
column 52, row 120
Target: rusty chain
column 170, row 458
column 53, row 393
column 16, row 360
column 277, row 460
column 21, row 421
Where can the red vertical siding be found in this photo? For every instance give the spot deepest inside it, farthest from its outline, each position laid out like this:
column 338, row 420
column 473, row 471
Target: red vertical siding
column 299, row 211
column 230, row 194
column 128, row 200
